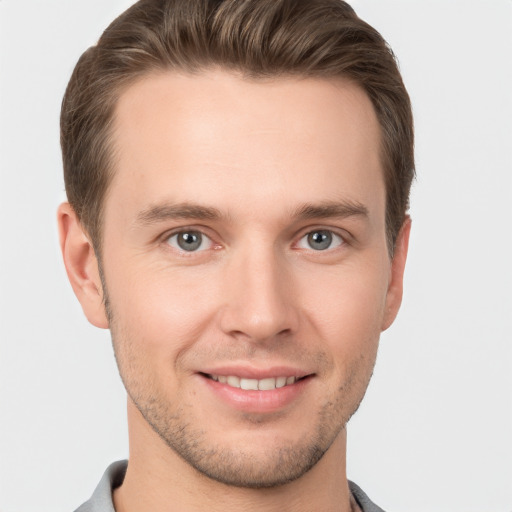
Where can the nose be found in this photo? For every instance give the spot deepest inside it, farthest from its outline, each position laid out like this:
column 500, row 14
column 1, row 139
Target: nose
column 259, row 304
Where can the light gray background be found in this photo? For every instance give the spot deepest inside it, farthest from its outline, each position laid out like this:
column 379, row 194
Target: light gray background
column 434, row 432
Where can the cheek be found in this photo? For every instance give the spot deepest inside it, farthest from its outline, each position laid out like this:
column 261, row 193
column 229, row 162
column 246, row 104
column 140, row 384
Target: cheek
column 161, row 309
column 157, row 318
column 346, row 307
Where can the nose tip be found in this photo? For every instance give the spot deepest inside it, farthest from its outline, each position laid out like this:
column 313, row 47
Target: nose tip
column 260, row 326
column 259, row 303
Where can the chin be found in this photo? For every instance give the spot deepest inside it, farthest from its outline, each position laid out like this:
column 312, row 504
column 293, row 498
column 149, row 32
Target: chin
column 259, row 457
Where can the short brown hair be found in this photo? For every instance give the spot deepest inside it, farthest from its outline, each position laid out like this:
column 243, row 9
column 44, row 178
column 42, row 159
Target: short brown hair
column 258, row 38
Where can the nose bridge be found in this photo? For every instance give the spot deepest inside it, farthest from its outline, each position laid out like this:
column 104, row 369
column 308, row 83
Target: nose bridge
column 259, row 303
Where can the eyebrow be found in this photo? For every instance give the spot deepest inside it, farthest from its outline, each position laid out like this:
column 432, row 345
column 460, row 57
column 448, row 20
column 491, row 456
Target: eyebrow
column 163, row 212
column 306, row 211
column 331, row 209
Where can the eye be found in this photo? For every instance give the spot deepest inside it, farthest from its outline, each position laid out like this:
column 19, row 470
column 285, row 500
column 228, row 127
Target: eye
column 320, row 240
column 189, row 241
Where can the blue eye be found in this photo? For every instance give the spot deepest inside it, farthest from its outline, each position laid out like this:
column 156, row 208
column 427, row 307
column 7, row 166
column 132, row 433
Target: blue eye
column 320, row 240
column 189, row 241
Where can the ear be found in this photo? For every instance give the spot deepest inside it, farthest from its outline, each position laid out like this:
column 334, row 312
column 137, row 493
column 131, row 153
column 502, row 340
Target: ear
column 81, row 265
column 395, row 287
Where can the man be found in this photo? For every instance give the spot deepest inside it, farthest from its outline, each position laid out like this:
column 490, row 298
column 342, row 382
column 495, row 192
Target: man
column 238, row 176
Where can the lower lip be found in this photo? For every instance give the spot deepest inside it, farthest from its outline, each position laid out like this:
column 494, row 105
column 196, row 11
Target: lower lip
column 258, row 401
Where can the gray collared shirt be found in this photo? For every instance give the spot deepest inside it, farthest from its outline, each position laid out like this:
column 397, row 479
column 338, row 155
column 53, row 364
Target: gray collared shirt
column 101, row 500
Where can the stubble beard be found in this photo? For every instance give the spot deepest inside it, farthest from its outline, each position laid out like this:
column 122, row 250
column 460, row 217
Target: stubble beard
column 239, row 466
column 235, row 466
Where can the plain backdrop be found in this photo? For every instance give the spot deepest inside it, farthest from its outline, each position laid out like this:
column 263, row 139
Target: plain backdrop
column 434, row 432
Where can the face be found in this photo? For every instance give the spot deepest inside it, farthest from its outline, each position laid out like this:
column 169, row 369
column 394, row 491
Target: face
column 246, row 267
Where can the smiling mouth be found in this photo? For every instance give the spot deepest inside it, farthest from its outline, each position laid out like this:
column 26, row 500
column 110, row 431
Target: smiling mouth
column 267, row 384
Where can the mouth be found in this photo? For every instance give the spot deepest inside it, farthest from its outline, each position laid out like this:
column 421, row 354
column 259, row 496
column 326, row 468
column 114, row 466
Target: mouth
column 257, row 391
column 266, row 384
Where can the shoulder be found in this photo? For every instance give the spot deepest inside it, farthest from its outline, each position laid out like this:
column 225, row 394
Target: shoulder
column 101, row 499
column 362, row 499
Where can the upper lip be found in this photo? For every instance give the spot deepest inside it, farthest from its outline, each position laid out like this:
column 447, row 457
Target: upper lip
column 250, row 372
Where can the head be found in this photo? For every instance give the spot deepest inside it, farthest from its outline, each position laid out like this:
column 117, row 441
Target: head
column 238, row 174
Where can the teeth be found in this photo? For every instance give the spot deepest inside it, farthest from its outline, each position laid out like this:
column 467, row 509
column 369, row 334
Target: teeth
column 254, row 384
column 280, row 382
column 234, row 382
column 249, row 383
column 267, row 384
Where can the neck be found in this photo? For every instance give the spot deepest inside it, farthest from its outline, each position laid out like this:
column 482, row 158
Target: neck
column 157, row 479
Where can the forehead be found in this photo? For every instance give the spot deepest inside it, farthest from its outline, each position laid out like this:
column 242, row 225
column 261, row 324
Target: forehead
column 217, row 138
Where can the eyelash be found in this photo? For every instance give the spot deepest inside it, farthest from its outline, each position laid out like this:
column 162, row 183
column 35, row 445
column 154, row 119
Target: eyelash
column 338, row 238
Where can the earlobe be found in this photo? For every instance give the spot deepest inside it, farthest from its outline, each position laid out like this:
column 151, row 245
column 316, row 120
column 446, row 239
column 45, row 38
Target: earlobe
column 81, row 265
column 395, row 288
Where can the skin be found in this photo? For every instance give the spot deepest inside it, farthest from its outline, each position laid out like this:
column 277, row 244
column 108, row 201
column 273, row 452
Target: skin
column 254, row 167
